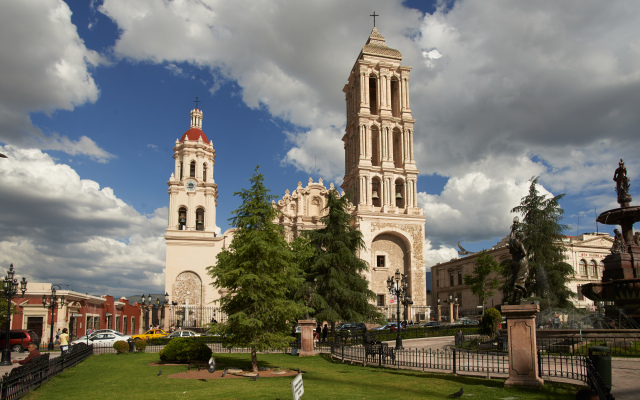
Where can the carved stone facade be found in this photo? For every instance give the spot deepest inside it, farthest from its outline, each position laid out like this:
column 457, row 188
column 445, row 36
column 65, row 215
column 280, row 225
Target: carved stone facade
column 380, row 175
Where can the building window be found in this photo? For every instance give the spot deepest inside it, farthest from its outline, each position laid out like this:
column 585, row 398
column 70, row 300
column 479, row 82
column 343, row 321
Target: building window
column 459, row 277
column 204, row 173
column 133, row 325
column 124, row 324
column 118, row 323
column 399, row 198
column 192, row 169
column 450, row 278
column 373, row 95
column 181, row 168
column 592, row 268
column 582, row 270
column 600, row 268
column 380, row 262
column 381, row 300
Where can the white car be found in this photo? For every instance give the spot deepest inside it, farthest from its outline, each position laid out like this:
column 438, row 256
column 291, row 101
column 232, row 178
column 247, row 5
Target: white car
column 182, row 334
column 102, row 339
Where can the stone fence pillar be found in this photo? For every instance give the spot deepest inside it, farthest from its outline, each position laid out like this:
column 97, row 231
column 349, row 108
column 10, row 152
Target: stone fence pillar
column 523, row 356
column 306, row 337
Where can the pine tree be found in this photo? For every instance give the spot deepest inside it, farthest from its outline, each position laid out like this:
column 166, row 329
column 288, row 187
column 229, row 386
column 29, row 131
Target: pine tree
column 548, row 273
column 483, row 281
column 335, row 270
column 258, row 271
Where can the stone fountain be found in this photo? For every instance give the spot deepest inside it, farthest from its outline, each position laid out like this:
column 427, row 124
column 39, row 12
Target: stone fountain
column 621, row 277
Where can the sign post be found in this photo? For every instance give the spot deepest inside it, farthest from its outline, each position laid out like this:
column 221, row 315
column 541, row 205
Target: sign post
column 297, row 387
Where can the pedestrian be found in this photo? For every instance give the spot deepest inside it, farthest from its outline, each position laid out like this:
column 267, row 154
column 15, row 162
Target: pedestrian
column 64, row 340
column 33, row 353
column 325, row 332
column 318, row 332
column 57, row 337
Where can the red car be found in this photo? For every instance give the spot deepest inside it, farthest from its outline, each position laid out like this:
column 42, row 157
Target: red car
column 20, row 338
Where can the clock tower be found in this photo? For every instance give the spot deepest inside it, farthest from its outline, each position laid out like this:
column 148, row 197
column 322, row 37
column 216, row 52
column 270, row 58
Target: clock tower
column 192, row 242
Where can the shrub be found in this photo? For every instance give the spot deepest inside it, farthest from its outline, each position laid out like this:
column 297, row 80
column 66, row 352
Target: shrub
column 490, row 322
column 121, row 346
column 141, row 345
column 185, row 349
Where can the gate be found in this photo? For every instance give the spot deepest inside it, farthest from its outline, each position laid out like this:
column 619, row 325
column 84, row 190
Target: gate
column 195, row 318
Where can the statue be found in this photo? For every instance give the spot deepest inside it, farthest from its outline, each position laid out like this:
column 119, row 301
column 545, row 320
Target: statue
column 519, row 259
column 622, row 184
column 618, row 243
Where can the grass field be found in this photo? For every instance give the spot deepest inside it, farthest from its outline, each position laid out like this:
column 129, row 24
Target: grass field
column 129, row 376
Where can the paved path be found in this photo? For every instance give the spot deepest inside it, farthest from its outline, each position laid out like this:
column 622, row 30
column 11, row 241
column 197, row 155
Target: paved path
column 625, row 371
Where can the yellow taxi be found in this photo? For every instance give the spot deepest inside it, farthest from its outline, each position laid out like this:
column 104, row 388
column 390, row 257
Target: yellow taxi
column 150, row 334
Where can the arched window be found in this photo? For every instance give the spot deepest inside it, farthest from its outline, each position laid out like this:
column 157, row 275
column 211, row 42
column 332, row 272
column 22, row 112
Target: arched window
column 592, row 268
column 192, row 169
column 376, row 192
column 375, row 146
column 200, row 219
column 582, row 270
column 395, row 97
column 397, row 148
column 600, row 268
column 182, row 219
column 373, row 95
column 399, row 193
column 204, row 172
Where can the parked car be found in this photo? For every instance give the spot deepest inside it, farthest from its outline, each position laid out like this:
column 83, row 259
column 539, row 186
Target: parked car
column 150, row 334
column 106, row 339
column 182, row 334
column 106, row 331
column 467, row 321
column 392, row 326
column 351, row 327
column 20, row 338
column 431, row 324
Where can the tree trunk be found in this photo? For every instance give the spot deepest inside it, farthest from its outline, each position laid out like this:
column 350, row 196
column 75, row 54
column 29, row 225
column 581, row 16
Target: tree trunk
column 254, row 360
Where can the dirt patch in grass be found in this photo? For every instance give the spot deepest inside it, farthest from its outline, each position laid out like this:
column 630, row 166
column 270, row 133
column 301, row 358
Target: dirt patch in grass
column 200, row 371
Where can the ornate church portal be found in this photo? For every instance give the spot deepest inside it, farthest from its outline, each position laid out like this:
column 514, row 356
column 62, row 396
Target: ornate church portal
column 380, row 176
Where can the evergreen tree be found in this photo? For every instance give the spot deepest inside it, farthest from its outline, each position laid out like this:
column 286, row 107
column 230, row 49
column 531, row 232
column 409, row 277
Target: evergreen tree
column 335, row 270
column 548, row 273
column 258, row 271
column 483, row 281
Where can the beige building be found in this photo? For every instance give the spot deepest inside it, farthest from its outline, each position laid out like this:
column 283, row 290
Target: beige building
column 380, row 175
column 584, row 253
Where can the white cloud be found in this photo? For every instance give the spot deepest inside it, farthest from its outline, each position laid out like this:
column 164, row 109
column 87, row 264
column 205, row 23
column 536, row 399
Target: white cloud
column 45, row 67
column 56, row 227
column 440, row 254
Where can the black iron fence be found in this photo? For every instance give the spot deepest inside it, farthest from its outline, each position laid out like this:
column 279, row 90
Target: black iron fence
column 194, row 318
column 577, row 345
column 21, row 380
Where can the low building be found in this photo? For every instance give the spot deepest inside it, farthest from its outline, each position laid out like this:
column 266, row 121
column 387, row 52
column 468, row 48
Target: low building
column 449, row 293
column 79, row 312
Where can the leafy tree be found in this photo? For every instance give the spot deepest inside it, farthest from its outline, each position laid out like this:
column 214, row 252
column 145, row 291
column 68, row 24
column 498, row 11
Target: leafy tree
column 483, row 281
column 548, row 273
column 335, row 270
column 491, row 320
column 258, row 271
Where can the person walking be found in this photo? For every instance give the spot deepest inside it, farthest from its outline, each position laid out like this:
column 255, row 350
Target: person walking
column 325, row 332
column 57, row 341
column 64, row 340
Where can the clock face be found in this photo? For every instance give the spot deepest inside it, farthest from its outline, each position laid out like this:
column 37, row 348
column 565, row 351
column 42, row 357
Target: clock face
column 191, row 185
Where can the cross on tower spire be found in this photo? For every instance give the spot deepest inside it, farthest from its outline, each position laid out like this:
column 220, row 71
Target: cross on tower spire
column 197, row 101
column 374, row 15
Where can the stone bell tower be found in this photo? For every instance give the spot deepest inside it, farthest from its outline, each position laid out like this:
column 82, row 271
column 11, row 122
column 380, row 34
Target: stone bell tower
column 380, row 170
column 192, row 243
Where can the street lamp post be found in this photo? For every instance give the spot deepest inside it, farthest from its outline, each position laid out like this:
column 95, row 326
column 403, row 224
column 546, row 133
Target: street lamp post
column 147, row 306
column 52, row 305
column 10, row 289
column 400, row 289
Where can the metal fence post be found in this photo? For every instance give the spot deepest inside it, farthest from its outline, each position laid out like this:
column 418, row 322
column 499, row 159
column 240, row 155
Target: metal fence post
column 539, row 363
column 454, row 361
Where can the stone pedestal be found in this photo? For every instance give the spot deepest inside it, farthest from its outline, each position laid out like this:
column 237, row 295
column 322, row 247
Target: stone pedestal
column 523, row 357
column 439, row 313
column 306, row 337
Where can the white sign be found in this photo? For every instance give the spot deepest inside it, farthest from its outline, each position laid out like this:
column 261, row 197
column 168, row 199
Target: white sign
column 296, row 387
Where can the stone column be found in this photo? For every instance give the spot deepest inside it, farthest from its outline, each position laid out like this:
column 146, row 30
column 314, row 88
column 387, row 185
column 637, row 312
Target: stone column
column 523, row 356
column 439, row 313
column 306, row 337
column 451, row 312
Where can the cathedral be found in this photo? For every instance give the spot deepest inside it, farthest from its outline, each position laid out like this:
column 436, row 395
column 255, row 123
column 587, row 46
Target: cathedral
column 380, row 176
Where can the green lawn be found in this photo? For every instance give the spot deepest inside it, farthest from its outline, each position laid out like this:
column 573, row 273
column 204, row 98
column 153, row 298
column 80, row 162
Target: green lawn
column 128, row 376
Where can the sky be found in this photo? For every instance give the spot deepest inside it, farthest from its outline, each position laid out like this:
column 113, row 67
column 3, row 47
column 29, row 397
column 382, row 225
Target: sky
column 93, row 95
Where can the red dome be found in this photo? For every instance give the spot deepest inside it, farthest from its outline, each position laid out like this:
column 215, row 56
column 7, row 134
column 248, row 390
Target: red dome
column 194, row 134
